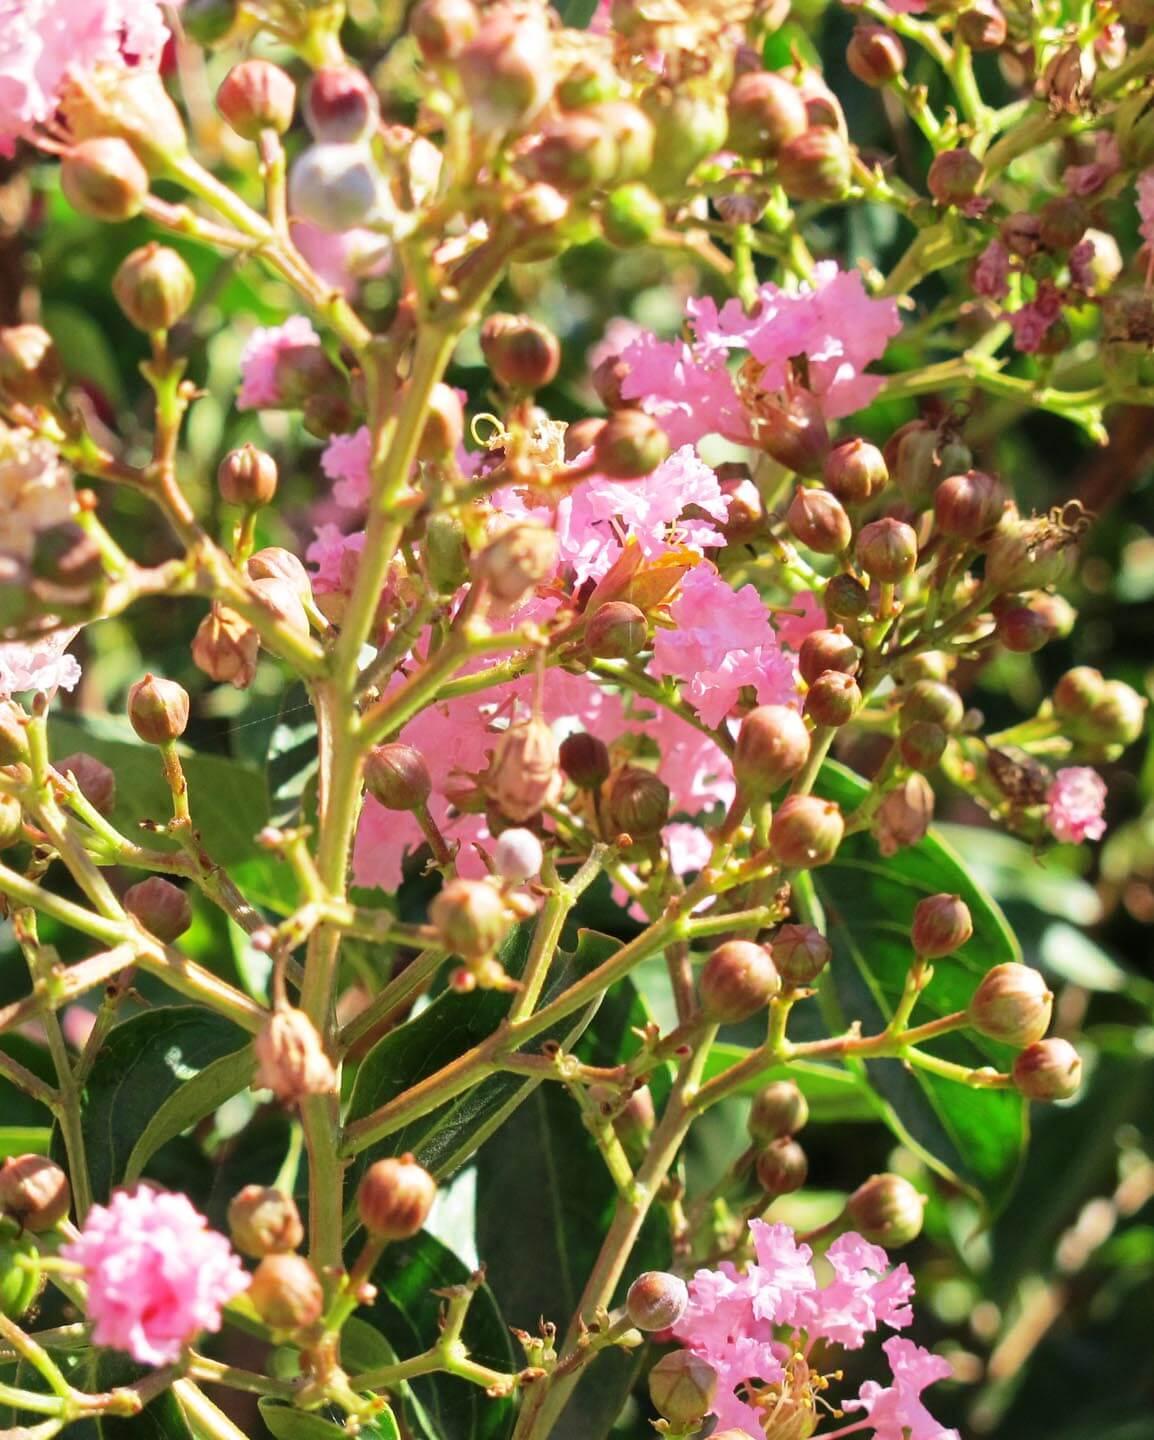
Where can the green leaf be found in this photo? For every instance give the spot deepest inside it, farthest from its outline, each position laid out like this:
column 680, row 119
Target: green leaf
column 407, row 1312
column 975, row 1137
column 576, row 13
column 98, row 1371
column 141, row 1065
column 24, row 1140
column 834, row 1094
column 189, row 1103
column 292, row 756
column 285, row 1423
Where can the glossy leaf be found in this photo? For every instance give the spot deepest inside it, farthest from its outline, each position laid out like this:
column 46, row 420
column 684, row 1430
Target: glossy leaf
column 285, row 1423
column 24, row 1140
column 834, row 1093
column 189, row 1103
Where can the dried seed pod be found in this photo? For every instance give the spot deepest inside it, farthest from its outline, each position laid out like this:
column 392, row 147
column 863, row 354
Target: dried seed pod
column 524, row 774
column 291, row 1061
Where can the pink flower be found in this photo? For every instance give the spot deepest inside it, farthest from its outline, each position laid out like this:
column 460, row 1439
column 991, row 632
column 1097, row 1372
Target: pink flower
column 156, row 1274
column 863, row 1293
column 992, row 272
column 689, row 847
column 1084, row 180
column 1074, row 805
column 692, row 394
column 1145, row 186
column 35, row 489
column 341, row 259
column 38, row 665
column 260, row 387
column 1031, row 324
column 793, row 628
column 345, row 460
column 896, row 1411
column 42, row 40
column 336, row 557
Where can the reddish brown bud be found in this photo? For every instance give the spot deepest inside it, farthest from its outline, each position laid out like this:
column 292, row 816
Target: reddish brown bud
column 395, row 1197
column 983, row 26
column 904, row 815
column 470, row 917
column 954, row 176
column 291, row 1061
column 887, row 550
column 942, row 924
column 629, row 446
column 745, row 512
column 1022, row 234
column 445, row 424
column 968, row 505
column 778, row 1109
column 284, row 601
column 225, row 647
column 154, row 287
column 585, row 760
column 823, row 650
column 286, row 1293
column 522, row 354
column 607, row 378
column 263, row 1221
column 506, row 70
column 158, row 709
column 256, row 96
column 247, row 476
column 94, row 780
column 160, row 906
column 765, row 111
column 806, row 832
column 581, row 435
column 886, row 1210
column 341, row 106
column 846, row 598
column 1063, row 220
column 1078, row 691
column 30, row 367
column 1048, row 1070
column 34, row 1191
column 818, row 520
column 575, row 152
column 772, row 746
column 800, row 953
column 922, row 745
column 875, row 55
column 1012, row 1004
column 1023, row 630
column 856, row 471
column 616, row 631
column 833, row 699
column 524, row 774
column 656, row 1300
column 516, row 560
column 738, row 980
column 815, row 166
column 933, row 701
column 782, row 1167
column 397, row 777
column 682, row 1387
column 442, row 28
column 793, row 431
column 637, row 803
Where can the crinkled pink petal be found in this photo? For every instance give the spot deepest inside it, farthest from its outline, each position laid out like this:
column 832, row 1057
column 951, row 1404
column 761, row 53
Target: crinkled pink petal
column 896, row 1411
column 259, row 389
column 39, row 665
column 1075, row 803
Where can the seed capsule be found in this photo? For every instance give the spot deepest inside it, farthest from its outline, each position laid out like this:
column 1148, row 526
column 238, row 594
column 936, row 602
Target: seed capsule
column 154, row 287
column 585, row 760
column 875, row 55
column 247, row 477
column 291, row 1061
column 256, row 96
column 470, row 918
column 765, row 111
column 31, row 370
column 856, row 471
column 95, row 781
column 637, row 804
column 682, row 1386
column 825, row 650
column 800, row 953
column 629, row 446
column 818, row 519
column 887, row 550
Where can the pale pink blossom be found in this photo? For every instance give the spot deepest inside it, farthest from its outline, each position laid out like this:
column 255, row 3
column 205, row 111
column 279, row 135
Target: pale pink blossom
column 695, row 768
column 38, row 665
column 1145, row 187
column 991, row 277
column 693, row 395
column 260, row 387
column 1031, row 324
column 689, row 847
column 157, row 1276
column 793, row 628
column 345, row 460
column 619, row 333
column 343, row 258
column 907, row 7
column 1083, row 180
column 35, row 489
column 335, row 557
column 1074, row 805
column 863, row 1294
column 896, row 1411
column 42, row 41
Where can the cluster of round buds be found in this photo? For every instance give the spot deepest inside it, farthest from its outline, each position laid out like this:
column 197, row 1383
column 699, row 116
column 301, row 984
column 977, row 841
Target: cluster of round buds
column 1103, row 716
column 1013, row 1005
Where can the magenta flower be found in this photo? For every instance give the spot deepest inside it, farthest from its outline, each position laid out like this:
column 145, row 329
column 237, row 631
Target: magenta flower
column 260, row 388
column 1074, row 805
column 157, row 1276
column 992, row 272
column 896, row 1411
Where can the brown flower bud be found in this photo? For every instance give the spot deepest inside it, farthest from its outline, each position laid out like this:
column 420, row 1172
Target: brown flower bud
column 607, row 378
column 933, row 701
column 886, row 1210
column 247, row 477
column 341, row 106
column 656, row 1300
column 1048, row 1070
column 160, row 906
column 968, row 505
column 942, row 924
column 904, row 815
column 256, row 96
column 1062, row 220
column 506, row 70
column 856, row 471
column 273, row 563
column 263, row 1221
column 833, row 699
column 745, row 509
column 800, row 953
column 34, row 1191
column 395, row 1197
column 13, row 734
column 286, row 1293
column 585, row 760
column 1021, row 234
column 444, row 425
column 983, row 26
column 285, row 603
column 922, row 745
column 823, row 650
column 470, row 917
column 765, row 111
column 1012, row 1004
column 397, row 777
column 887, row 550
column 781, row 1167
column 819, row 521
column 516, row 560
column 682, row 1387
column 154, row 287
column 129, row 104
column 225, row 647
column 846, row 598
column 158, row 709
column 778, row 1109
column 772, row 746
column 522, row 354
column 637, row 803
column 616, row 631
column 738, row 980
column 629, row 446
column 875, row 55
column 1077, row 692
column 93, row 779
column 793, row 431
column 581, row 435
column 954, row 176
column 815, row 166
column 1024, row 631
column 442, row 28
column 806, row 832
column 31, row 371
column 524, row 774
column 291, row 1061
column 575, row 152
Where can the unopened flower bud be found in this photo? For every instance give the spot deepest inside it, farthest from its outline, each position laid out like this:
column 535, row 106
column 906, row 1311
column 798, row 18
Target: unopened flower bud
column 126, row 103
column 580, row 436
column 738, row 980
column 781, row 1167
column 806, row 832
column 247, row 476
column 506, row 70
column 631, row 215
column 30, row 367
column 1063, row 222
column 341, row 106
column 682, row 1387
column 1077, row 692
column 933, row 701
column 470, row 918
column 1012, row 1004
column 20, row 1282
column 335, row 187
column 819, row 521
column 517, row 559
column 291, row 1061
column 34, row 1191
column 1048, row 1070
column 690, row 124
column 524, row 775
column 263, row 1221
column 522, row 354
column 286, row 1293
column 607, row 378
column 574, row 152
column 656, row 1300
column 833, row 699
column 904, row 815
column 778, row 1109
column 942, row 924
column 585, row 760
column 93, row 779
column 954, row 176
column 983, row 26
column 517, row 855
column 793, row 431
column 922, row 745
column 154, row 287
column 823, row 650
column 772, row 746
column 745, row 509
column 11, row 821
column 801, row 953
column 207, row 22
column 1118, row 716
column 225, row 647
column 637, row 803
column 887, row 550
column 875, row 55
column 160, row 906
column 442, row 28
column 397, row 777
column 285, row 602
column 855, row 471
column 158, row 709
column 846, row 598
column 395, row 1197
column 629, row 446
column 968, row 505
column 815, row 166
column 256, row 96
column 765, row 111
column 886, row 1210
column 1023, row 630
column 616, row 631
column 13, row 734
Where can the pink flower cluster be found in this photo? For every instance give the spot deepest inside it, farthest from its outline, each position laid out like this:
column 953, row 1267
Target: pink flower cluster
column 1074, row 805
column 157, row 1276
column 266, row 350
column 42, row 665
column 747, row 1324
column 41, row 41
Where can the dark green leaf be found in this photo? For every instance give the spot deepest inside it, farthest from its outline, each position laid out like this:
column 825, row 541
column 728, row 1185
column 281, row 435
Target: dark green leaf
column 285, row 1423
column 292, row 756
column 834, row 1094
column 576, row 13
column 189, row 1103
column 16, row 1107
